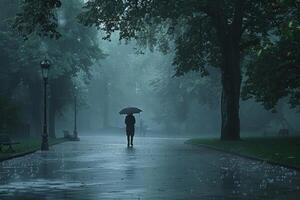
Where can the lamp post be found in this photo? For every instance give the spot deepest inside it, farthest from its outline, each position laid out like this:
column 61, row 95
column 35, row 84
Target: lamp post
column 45, row 65
column 75, row 133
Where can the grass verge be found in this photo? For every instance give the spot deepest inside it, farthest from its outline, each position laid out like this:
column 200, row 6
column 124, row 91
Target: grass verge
column 282, row 151
column 27, row 146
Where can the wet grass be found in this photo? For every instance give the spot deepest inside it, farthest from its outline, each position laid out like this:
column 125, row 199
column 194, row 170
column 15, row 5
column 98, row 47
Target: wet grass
column 25, row 146
column 285, row 151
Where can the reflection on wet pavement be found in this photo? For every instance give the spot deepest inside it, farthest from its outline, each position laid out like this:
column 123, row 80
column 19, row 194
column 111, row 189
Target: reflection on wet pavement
column 103, row 168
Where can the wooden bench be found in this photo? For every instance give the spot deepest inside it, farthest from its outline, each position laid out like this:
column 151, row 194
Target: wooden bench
column 6, row 141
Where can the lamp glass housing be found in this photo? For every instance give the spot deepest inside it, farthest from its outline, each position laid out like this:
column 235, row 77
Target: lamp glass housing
column 45, row 65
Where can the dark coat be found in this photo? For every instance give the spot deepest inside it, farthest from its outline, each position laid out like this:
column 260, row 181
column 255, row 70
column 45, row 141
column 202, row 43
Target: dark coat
column 130, row 122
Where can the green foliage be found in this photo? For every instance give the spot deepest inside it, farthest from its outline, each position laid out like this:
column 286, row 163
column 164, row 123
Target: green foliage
column 152, row 23
column 202, row 33
column 38, row 17
column 192, row 25
column 205, row 33
column 74, row 53
column 274, row 72
column 103, row 11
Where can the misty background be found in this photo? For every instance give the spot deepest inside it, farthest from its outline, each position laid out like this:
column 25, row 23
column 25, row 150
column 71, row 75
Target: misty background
column 112, row 76
column 172, row 106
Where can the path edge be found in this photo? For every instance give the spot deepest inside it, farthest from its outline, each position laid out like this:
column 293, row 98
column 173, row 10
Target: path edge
column 17, row 155
column 272, row 162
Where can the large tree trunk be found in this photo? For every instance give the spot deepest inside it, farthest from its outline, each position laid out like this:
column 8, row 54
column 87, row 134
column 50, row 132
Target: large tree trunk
column 229, row 36
column 231, row 82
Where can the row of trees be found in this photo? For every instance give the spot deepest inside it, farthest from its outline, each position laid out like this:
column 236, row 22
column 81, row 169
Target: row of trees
column 202, row 33
column 21, row 84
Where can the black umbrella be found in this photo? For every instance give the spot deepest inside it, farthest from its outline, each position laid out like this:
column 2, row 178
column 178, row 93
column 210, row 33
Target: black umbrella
column 130, row 110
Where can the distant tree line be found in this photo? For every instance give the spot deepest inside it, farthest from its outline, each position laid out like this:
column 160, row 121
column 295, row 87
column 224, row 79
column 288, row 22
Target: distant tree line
column 21, row 83
column 257, row 40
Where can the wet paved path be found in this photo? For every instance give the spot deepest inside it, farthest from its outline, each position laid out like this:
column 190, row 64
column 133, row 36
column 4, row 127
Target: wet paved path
column 103, row 168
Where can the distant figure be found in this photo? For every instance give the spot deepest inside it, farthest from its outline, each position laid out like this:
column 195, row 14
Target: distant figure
column 130, row 122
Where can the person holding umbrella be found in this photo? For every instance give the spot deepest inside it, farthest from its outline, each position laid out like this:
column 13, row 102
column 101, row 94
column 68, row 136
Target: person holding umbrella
column 130, row 123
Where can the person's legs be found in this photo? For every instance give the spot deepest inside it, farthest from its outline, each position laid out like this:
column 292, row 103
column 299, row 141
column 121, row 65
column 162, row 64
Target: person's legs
column 131, row 139
column 128, row 140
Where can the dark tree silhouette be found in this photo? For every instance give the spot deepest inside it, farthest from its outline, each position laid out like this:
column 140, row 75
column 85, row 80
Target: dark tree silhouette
column 206, row 33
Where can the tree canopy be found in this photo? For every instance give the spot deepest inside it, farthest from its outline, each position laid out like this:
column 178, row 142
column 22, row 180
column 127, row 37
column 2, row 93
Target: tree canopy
column 202, row 33
column 71, row 57
column 274, row 70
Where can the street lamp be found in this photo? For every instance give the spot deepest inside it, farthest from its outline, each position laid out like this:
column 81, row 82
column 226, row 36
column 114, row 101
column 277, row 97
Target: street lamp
column 75, row 133
column 45, row 65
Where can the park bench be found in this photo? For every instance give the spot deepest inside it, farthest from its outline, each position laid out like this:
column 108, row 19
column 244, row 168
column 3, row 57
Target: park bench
column 6, row 141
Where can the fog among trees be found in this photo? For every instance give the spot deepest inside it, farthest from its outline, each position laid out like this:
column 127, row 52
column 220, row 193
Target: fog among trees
column 203, row 72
